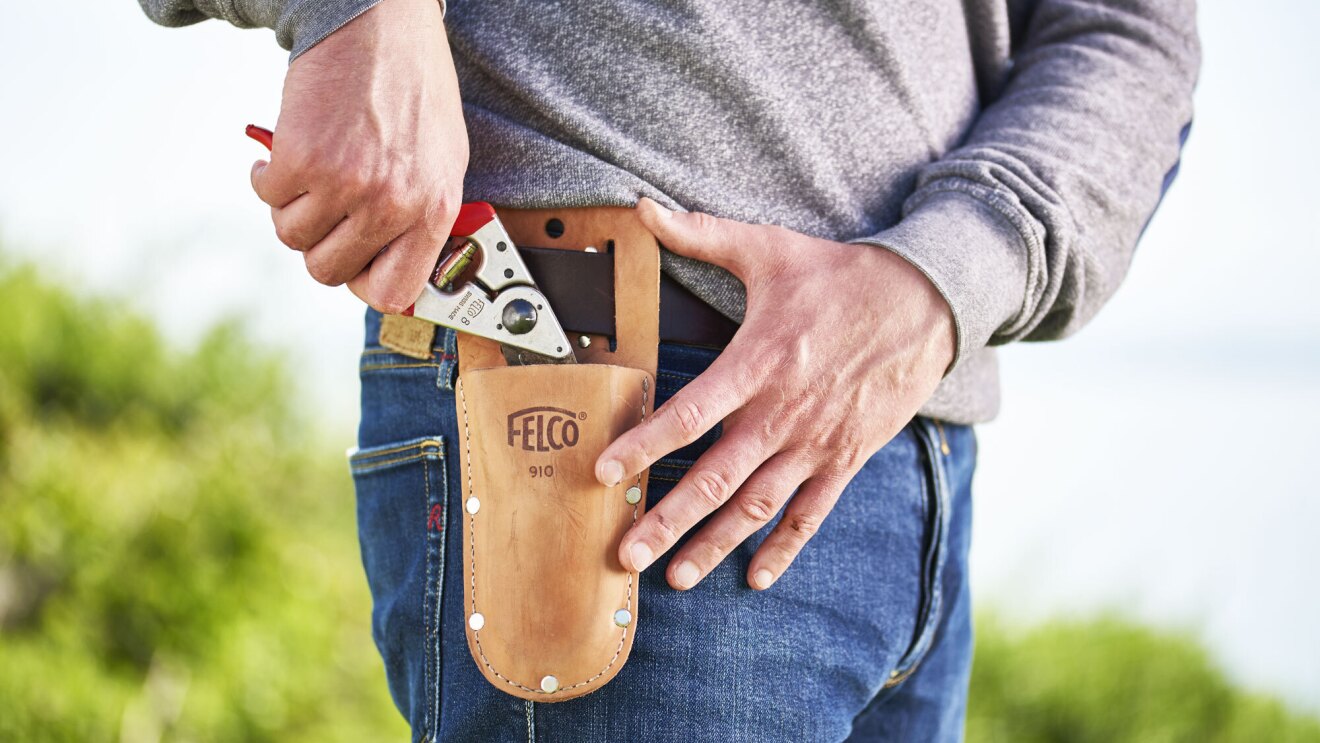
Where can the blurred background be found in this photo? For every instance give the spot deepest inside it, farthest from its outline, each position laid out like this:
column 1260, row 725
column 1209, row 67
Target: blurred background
column 178, row 558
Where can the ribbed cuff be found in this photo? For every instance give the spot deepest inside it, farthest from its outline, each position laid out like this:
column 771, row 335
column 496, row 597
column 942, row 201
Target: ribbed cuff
column 305, row 23
column 974, row 257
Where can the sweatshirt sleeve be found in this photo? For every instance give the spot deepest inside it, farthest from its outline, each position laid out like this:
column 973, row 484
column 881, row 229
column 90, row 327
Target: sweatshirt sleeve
column 1028, row 227
column 298, row 24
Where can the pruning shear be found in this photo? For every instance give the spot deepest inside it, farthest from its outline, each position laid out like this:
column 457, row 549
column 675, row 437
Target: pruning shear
column 497, row 299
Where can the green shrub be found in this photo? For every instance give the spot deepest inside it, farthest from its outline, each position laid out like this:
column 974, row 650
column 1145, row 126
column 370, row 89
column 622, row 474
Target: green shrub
column 1108, row 680
column 178, row 558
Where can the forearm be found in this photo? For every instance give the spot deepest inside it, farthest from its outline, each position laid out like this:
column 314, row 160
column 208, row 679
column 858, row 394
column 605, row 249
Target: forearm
column 1029, row 227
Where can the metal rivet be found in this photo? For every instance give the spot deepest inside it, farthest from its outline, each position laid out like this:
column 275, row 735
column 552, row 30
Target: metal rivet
column 476, row 621
column 623, row 617
column 519, row 316
column 473, row 505
column 584, row 341
column 549, row 684
column 633, row 495
column 554, row 228
column 590, row 249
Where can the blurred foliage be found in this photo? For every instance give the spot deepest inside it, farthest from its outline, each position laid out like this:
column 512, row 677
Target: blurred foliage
column 178, row 559
column 1106, row 680
column 178, row 562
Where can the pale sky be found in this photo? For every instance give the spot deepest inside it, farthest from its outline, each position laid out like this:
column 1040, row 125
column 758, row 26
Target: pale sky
column 1157, row 464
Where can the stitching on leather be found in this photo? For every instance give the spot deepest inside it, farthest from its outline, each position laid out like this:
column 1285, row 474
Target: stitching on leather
column 472, row 547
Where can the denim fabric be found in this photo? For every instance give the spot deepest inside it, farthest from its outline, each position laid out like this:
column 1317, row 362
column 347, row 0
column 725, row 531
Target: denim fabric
column 866, row 637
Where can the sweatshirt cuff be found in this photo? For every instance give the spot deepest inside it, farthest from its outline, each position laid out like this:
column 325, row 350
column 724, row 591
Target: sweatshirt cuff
column 305, row 23
column 973, row 255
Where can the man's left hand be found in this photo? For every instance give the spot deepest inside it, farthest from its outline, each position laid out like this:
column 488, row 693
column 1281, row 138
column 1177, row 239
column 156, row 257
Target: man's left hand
column 840, row 346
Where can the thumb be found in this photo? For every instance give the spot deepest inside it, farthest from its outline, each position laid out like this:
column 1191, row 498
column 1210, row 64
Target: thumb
column 258, row 168
column 273, row 186
column 724, row 242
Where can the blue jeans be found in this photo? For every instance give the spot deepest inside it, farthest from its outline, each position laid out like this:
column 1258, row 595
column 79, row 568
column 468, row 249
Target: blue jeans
column 866, row 637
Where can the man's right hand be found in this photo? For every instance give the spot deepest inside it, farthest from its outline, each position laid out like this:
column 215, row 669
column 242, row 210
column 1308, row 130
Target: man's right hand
column 371, row 151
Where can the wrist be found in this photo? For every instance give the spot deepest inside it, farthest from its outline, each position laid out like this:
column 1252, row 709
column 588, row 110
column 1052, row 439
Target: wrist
column 974, row 255
column 931, row 314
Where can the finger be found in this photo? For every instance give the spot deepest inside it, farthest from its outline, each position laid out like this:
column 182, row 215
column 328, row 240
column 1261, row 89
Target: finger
column 354, row 242
column 362, row 284
column 715, row 477
column 724, row 242
column 274, row 185
column 395, row 277
column 751, row 508
column 801, row 521
column 358, row 286
column 723, row 388
column 305, row 221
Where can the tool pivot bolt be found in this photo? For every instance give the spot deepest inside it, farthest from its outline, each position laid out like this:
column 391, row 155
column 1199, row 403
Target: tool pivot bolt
column 519, row 316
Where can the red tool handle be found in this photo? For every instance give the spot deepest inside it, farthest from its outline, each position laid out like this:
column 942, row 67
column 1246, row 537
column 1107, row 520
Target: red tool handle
column 264, row 136
column 472, row 216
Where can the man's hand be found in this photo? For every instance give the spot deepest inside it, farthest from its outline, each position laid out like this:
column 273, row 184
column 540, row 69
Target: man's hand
column 371, row 152
column 840, row 346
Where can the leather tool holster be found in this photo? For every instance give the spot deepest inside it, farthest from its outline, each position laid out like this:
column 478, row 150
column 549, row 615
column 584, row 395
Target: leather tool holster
column 550, row 611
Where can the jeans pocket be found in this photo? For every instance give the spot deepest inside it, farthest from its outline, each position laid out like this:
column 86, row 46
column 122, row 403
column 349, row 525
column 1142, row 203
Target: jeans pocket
column 935, row 491
column 402, row 509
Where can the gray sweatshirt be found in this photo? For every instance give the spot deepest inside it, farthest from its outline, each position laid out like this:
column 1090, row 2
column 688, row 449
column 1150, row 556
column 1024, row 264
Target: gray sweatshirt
column 1012, row 151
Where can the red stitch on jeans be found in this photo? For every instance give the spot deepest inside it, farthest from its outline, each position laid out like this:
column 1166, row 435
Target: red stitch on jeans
column 436, row 522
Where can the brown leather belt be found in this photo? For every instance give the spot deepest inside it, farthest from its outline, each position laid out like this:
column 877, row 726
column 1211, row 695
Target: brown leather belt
column 580, row 287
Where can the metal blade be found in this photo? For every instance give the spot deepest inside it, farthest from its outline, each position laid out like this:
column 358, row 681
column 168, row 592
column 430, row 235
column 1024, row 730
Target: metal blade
column 522, row 357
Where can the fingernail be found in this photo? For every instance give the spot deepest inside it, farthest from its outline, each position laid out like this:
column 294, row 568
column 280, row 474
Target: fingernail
column 686, row 575
column 762, row 579
column 611, row 473
column 641, row 556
